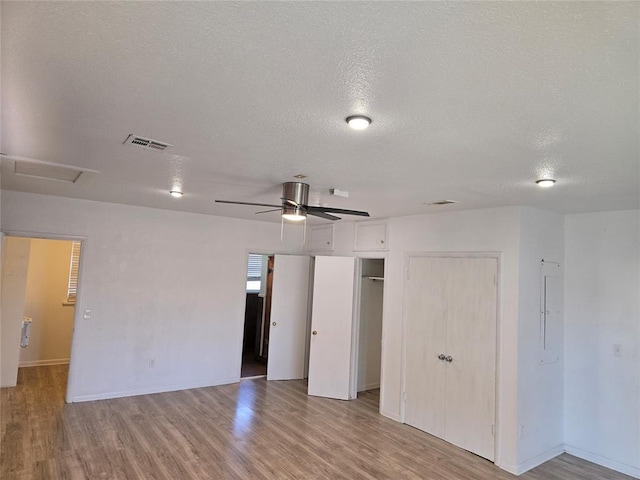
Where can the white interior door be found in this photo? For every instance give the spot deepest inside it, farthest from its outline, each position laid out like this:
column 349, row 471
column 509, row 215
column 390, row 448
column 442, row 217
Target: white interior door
column 426, row 317
column 331, row 327
column 289, row 317
column 471, row 345
column 451, row 308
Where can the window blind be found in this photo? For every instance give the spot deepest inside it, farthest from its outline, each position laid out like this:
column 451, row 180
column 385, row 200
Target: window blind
column 254, row 267
column 72, row 287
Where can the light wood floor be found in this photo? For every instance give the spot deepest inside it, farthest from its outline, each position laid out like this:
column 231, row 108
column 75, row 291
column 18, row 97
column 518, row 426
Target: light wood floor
column 251, row 430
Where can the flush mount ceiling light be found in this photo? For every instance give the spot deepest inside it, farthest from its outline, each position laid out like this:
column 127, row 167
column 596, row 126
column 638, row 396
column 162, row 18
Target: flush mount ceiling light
column 358, row 122
column 545, row 182
column 176, row 193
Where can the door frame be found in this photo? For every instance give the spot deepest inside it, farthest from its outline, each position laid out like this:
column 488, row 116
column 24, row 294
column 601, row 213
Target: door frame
column 240, row 325
column 460, row 254
column 77, row 324
column 355, row 333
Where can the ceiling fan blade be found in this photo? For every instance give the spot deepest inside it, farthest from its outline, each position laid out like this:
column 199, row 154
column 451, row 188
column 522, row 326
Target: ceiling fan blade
column 337, row 210
column 290, row 202
column 267, row 211
column 249, row 203
column 326, row 216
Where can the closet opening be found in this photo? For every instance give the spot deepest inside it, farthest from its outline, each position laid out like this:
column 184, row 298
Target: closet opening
column 369, row 329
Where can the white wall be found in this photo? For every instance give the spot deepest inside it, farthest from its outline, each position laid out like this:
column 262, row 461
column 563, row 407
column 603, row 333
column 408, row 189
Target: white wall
column 15, row 265
column 52, row 325
column 540, row 386
column 160, row 285
column 602, row 309
column 492, row 230
column 170, row 286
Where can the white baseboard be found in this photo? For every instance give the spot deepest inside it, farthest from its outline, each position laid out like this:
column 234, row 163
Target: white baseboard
column 527, row 465
column 42, row 363
column 368, row 386
column 634, row 471
column 392, row 415
column 507, row 467
column 151, row 390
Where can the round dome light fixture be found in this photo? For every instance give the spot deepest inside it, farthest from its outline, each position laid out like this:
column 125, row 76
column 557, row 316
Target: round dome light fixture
column 545, row 182
column 176, row 193
column 358, row 122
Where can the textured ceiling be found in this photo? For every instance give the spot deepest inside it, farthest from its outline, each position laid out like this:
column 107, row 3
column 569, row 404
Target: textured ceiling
column 470, row 101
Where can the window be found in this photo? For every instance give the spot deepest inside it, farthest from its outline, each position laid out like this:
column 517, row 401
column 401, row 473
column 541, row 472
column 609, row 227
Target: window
column 254, row 272
column 72, row 287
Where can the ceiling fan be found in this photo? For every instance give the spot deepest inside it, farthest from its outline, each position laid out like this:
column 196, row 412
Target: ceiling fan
column 295, row 198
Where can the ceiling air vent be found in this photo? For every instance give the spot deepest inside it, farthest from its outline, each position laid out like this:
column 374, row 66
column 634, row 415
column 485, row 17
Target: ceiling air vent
column 146, row 143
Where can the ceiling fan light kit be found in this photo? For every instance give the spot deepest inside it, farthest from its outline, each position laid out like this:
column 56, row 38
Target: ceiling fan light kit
column 293, row 214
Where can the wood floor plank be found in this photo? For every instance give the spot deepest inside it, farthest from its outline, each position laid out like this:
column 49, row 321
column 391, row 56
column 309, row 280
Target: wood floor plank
column 251, row 430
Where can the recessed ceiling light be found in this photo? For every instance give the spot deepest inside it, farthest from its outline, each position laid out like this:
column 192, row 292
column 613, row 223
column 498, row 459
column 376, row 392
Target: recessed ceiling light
column 441, row 202
column 545, row 182
column 358, row 122
column 176, row 193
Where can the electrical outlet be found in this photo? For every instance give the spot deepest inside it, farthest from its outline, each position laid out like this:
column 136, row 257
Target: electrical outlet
column 617, row 350
column 151, row 363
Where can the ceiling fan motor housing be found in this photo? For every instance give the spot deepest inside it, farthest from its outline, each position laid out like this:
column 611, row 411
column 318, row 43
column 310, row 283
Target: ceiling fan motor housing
column 296, row 192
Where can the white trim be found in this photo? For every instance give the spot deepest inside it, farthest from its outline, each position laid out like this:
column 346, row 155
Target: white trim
column 392, row 415
column 152, row 390
column 634, row 471
column 508, row 467
column 42, row 363
column 527, row 465
column 355, row 328
column 385, row 306
column 43, row 235
column 77, row 324
column 76, row 333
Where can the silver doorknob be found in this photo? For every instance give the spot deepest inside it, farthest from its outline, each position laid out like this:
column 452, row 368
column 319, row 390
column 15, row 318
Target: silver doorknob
column 449, row 359
column 274, row 324
column 314, row 333
column 441, row 356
